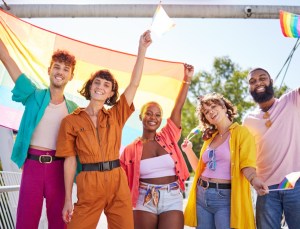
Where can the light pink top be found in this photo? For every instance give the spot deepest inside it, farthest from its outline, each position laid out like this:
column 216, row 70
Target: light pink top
column 222, row 157
column 278, row 147
column 161, row 166
column 45, row 134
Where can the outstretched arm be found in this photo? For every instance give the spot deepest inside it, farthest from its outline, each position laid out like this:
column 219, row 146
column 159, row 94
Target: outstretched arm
column 9, row 63
column 145, row 41
column 176, row 112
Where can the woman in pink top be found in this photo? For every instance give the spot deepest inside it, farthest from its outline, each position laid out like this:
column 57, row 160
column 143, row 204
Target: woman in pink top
column 155, row 167
column 220, row 196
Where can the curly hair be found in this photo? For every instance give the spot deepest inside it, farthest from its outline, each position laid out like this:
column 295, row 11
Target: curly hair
column 213, row 98
column 63, row 56
column 102, row 74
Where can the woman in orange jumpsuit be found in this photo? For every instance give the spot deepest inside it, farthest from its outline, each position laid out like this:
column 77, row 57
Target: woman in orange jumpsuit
column 94, row 135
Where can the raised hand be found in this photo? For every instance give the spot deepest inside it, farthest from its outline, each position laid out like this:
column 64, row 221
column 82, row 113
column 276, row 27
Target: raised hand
column 145, row 39
column 188, row 72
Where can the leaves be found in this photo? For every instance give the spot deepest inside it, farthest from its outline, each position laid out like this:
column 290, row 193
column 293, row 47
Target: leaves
column 226, row 78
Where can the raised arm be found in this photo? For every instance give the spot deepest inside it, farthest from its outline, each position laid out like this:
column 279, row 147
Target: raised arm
column 176, row 112
column 145, row 41
column 9, row 63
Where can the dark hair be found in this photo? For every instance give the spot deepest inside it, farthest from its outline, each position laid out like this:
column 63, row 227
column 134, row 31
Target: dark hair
column 150, row 103
column 213, row 98
column 102, row 74
column 64, row 56
column 258, row 69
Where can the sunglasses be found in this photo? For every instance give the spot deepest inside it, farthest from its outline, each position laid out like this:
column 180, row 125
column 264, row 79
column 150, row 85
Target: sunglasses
column 212, row 160
column 268, row 122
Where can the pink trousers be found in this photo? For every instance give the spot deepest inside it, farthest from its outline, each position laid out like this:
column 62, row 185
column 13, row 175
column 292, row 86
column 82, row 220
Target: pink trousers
column 41, row 181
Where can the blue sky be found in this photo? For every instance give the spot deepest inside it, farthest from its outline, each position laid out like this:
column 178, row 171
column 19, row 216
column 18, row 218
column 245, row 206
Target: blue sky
column 248, row 42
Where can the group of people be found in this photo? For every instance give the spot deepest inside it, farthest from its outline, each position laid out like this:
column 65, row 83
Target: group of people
column 142, row 188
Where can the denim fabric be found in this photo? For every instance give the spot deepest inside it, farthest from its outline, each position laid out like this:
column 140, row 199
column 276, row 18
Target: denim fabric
column 269, row 208
column 169, row 200
column 213, row 208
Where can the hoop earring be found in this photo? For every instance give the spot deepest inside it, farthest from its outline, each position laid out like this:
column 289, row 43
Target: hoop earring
column 108, row 101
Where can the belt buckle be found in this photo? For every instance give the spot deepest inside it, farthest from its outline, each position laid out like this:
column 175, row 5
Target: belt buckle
column 204, row 187
column 45, row 156
column 106, row 166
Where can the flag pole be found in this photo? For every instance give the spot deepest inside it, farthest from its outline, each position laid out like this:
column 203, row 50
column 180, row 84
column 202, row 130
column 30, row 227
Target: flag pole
column 279, row 189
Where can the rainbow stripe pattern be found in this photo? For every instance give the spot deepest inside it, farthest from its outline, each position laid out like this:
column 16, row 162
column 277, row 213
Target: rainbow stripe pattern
column 193, row 133
column 285, row 184
column 290, row 24
column 32, row 47
column 289, row 181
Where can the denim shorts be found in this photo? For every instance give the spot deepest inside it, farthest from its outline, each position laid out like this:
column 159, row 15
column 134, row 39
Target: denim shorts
column 169, row 200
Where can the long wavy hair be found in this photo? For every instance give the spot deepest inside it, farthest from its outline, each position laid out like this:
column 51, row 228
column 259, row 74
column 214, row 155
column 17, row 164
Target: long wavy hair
column 209, row 99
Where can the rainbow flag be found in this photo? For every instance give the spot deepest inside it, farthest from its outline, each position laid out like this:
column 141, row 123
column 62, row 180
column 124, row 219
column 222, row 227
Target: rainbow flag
column 288, row 182
column 32, row 48
column 193, row 133
column 290, row 24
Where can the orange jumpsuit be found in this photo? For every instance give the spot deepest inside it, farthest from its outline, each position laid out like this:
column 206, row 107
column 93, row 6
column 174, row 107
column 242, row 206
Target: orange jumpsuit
column 96, row 190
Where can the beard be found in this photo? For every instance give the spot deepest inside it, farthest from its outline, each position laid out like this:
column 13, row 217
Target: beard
column 264, row 96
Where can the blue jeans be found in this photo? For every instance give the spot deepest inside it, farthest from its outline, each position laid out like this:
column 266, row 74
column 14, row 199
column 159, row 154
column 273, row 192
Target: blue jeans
column 213, row 208
column 269, row 208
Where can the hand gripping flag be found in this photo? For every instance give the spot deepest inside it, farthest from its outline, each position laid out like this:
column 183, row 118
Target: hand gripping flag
column 32, row 47
column 290, row 24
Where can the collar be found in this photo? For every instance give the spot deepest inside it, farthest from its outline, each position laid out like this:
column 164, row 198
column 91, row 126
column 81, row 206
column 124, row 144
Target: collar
column 81, row 109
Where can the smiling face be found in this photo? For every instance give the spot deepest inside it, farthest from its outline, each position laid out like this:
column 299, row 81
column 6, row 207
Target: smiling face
column 260, row 85
column 101, row 85
column 101, row 89
column 214, row 113
column 151, row 116
column 60, row 74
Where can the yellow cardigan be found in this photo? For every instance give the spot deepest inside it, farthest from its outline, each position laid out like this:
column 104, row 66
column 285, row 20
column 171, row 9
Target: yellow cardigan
column 243, row 154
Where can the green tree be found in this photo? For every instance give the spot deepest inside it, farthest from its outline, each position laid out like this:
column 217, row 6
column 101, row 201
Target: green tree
column 226, row 78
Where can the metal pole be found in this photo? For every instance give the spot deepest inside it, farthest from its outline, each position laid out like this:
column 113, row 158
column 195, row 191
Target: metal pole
column 147, row 10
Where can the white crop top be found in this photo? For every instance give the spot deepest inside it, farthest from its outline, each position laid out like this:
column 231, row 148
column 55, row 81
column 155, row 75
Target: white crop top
column 161, row 166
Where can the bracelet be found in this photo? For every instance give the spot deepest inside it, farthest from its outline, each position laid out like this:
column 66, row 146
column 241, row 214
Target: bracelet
column 252, row 178
column 187, row 82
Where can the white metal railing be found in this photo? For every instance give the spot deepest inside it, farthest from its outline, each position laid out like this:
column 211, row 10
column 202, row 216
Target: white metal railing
column 9, row 193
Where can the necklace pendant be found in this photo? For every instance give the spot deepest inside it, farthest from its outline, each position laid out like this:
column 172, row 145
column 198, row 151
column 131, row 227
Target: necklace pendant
column 268, row 123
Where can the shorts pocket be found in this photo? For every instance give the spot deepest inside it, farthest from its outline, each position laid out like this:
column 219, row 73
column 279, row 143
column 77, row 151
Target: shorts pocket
column 175, row 192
